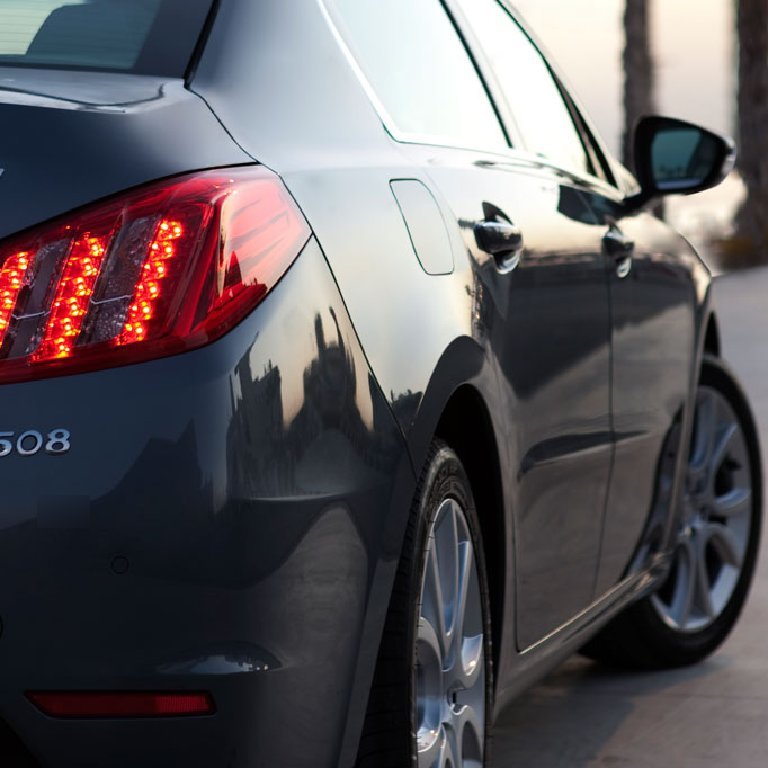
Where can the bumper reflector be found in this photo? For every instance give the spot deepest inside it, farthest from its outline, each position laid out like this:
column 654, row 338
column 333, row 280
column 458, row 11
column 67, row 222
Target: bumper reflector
column 122, row 704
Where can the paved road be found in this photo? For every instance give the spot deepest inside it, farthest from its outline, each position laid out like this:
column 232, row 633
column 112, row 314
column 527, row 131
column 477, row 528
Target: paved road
column 715, row 714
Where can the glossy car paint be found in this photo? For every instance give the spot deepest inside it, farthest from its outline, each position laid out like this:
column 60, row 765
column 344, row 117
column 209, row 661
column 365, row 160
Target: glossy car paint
column 68, row 138
column 227, row 548
column 230, row 519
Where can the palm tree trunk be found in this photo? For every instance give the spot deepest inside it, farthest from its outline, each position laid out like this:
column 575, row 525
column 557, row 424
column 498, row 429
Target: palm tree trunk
column 637, row 59
column 752, row 218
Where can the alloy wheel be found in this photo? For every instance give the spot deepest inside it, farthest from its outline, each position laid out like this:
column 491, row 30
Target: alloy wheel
column 715, row 524
column 450, row 666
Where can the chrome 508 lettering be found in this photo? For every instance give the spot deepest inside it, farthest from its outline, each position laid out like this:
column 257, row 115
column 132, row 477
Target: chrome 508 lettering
column 28, row 443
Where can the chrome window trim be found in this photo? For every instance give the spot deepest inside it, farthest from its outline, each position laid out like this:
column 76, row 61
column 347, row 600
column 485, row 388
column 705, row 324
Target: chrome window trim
column 389, row 123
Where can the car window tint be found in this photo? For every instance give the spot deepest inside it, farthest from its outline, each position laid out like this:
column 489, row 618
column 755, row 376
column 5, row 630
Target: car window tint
column 532, row 94
column 419, row 70
column 141, row 36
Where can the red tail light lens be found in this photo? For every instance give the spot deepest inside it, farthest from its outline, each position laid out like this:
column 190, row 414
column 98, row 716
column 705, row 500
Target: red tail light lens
column 155, row 272
column 122, row 704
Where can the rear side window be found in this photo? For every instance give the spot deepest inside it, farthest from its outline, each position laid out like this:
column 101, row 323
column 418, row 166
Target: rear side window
column 419, row 71
column 141, row 36
column 532, row 95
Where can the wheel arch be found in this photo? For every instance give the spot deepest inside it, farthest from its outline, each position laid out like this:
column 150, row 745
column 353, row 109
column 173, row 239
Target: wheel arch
column 466, row 426
column 712, row 336
column 460, row 405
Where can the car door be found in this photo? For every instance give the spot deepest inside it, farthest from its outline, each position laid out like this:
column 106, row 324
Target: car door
column 653, row 341
column 551, row 328
column 542, row 313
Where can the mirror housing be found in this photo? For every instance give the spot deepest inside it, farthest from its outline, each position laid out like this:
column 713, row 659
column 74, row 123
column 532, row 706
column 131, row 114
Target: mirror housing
column 673, row 157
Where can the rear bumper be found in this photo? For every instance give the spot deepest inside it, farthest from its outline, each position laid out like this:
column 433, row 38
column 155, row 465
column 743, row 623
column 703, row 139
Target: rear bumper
column 219, row 524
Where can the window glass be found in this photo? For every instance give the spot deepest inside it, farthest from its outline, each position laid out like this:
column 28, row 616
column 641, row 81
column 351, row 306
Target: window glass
column 147, row 36
column 532, row 94
column 419, row 70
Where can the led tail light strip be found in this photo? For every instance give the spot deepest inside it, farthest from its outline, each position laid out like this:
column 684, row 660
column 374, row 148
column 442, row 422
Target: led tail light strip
column 155, row 272
column 73, row 297
column 162, row 251
column 12, row 277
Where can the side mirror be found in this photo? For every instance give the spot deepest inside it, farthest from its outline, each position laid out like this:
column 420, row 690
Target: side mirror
column 673, row 157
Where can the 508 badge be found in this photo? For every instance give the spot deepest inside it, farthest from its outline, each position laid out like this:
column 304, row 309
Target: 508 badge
column 55, row 443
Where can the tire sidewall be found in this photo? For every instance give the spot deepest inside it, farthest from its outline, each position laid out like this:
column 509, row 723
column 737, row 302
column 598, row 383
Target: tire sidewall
column 689, row 647
column 444, row 478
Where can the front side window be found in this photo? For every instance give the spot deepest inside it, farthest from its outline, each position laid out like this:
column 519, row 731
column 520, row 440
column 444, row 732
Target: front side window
column 419, row 71
column 533, row 97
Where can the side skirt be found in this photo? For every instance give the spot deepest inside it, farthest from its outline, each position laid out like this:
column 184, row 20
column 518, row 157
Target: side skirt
column 547, row 653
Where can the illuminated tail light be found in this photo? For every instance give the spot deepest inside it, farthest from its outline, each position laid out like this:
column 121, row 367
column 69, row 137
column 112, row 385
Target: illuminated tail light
column 151, row 273
column 82, row 704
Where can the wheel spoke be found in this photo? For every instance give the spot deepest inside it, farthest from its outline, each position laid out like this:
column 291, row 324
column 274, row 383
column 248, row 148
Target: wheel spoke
column 448, row 752
column 470, row 664
column 706, row 424
column 467, row 730
column 431, row 748
column 696, row 476
column 447, row 553
column 685, row 585
column 725, row 542
column 432, row 599
column 466, row 571
column 703, row 587
column 452, row 749
column 733, row 504
column 721, row 446
column 427, row 637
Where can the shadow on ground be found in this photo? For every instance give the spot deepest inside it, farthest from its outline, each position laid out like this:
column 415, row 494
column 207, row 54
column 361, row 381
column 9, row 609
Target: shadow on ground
column 575, row 717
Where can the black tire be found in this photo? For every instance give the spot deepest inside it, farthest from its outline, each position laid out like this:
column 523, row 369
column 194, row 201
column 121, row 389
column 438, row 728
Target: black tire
column 639, row 638
column 388, row 738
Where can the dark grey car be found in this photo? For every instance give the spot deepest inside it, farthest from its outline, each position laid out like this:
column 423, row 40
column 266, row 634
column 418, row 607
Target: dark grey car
column 347, row 386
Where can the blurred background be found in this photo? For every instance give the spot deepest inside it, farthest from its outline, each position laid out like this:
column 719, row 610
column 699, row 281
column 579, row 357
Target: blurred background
column 686, row 59
column 683, row 58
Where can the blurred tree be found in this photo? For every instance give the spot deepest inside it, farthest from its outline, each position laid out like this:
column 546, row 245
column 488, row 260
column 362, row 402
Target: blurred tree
column 639, row 86
column 639, row 78
column 750, row 243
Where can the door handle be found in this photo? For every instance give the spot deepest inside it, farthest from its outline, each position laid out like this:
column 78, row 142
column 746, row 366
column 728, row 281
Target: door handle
column 502, row 240
column 621, row 249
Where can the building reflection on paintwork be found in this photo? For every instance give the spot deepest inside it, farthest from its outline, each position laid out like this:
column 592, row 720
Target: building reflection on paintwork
column 273, row 456
column 307, row 431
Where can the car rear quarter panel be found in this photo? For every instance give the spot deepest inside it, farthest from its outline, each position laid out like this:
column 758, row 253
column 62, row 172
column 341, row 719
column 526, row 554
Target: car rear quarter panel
column 218, row 524
column 307, row 117
column 276, row 77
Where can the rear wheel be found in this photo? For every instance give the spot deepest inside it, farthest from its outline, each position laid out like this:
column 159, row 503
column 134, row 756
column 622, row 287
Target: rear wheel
column 430, row 702
column 716, row 545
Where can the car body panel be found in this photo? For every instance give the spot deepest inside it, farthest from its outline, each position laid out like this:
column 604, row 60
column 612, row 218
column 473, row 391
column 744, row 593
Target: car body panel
column 654, row 341
column 247, row 529
column 70, row 138
column 262, row 515
column 555, row 407
column 324, row 165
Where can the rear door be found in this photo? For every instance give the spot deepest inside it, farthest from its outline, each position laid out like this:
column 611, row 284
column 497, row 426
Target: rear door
column 541, row 310
column 553, row 342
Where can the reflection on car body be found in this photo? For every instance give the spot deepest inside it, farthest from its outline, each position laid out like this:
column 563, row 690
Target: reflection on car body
column 384, row 392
